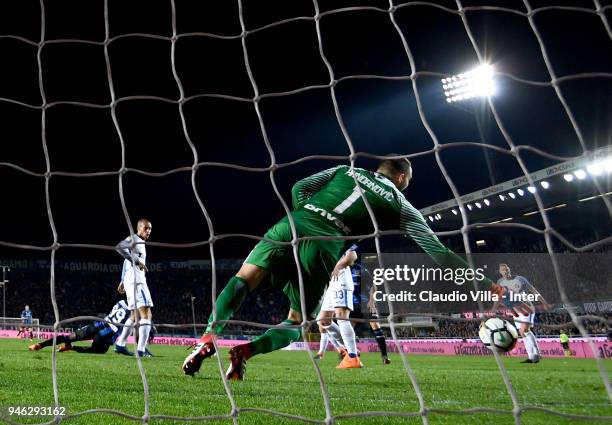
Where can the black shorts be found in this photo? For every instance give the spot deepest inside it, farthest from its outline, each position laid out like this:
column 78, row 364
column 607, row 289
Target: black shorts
column 565, row 345
column 94, row 331
column 100, row 344
column 86, row 332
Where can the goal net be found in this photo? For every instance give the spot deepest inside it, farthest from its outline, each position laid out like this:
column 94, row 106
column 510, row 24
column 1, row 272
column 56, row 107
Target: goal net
column 202, row 115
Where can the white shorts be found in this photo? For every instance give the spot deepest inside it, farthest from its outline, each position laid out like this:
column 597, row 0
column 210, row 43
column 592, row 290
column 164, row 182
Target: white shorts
column 339, row 292
column 524, row 319
column 143, row 296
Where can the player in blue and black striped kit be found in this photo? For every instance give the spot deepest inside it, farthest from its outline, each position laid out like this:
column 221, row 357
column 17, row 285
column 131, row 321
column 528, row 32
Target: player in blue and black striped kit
column 359, row 296
column 103, row 333
column 26, row 323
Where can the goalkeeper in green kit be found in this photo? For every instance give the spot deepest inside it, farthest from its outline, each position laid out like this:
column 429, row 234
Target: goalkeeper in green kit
column 325, row 204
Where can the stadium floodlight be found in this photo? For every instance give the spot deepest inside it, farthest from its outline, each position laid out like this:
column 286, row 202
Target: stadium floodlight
column 531, row 189
column 595, row 169
column 469, row 207
column 544, row 184
column 475, row 83
column 580, row 174
column 430, row 218
column 454, row 211
column 438, row 217
column 598, row 168
column 478, row 205
column 568, row 177
column 521, row 192
column 487, row 202
column 502, row 198
column 512, row 195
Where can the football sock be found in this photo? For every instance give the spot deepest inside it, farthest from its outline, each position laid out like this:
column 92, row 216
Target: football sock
column 143, row 333
column 380, row 340
column 60, row 339
column 125, row 332
column 228, row 302
column 323, row 342
column 275, row 338
column 528, row 345
column 534, row 343
column 333, row 335
column 348, row 336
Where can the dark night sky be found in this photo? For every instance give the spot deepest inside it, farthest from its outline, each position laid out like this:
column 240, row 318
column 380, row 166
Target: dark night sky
column 381, row 116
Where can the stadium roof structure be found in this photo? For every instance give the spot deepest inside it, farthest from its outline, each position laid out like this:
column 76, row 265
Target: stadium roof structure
column 566, row 188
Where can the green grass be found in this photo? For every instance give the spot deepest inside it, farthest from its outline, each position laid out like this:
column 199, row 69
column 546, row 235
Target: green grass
column 286, row 382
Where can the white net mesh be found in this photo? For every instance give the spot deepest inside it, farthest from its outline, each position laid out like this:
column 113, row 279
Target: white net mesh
column 516, row 151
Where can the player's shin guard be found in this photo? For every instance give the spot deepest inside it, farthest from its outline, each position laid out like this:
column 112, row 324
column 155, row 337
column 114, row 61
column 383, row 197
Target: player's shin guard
column 228, row 302
column 380, row 340
column 333, row 335
column 125, row 332
column 275, row 338
column 143, row 334
column 348, row 336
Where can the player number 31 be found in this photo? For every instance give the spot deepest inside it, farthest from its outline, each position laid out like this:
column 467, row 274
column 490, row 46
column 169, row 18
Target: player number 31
column 36, row 411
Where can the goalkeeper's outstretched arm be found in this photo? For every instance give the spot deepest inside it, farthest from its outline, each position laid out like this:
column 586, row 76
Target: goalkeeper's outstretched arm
column 413, row 223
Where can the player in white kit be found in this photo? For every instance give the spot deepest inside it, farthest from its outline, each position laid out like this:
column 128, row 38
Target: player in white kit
column 134, row 285
column 523, row 322
column 338, row 301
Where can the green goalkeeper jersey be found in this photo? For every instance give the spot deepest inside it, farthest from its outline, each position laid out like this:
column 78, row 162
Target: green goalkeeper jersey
column 329, row 203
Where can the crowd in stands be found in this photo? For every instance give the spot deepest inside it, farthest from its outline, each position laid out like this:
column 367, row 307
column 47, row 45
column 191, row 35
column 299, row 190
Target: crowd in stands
column 84, row 292
column 546, row 324
column 87, row 293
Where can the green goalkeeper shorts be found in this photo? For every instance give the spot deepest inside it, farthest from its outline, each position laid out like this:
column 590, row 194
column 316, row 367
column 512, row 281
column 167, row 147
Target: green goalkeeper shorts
column 317, row 260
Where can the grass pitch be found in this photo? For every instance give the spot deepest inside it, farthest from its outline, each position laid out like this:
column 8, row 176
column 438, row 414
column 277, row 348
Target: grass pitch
column 286, row 382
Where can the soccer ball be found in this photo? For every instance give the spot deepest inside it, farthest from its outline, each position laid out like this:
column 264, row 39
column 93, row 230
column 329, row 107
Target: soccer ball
column 498, row 335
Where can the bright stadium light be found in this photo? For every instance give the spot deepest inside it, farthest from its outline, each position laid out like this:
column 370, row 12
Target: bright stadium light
column 486, row 202
column 598, row 168
column 502, row 198
column 512, row 195
column 454, row 211
column 531, row 189
column 521, row 192
column 478, row 205
column 580, row 174
column 595, row 169
column 475, row 83
column 545, row 184
column 430, row 218
column 568, row 177
column 438, row 217
column 469, row 207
